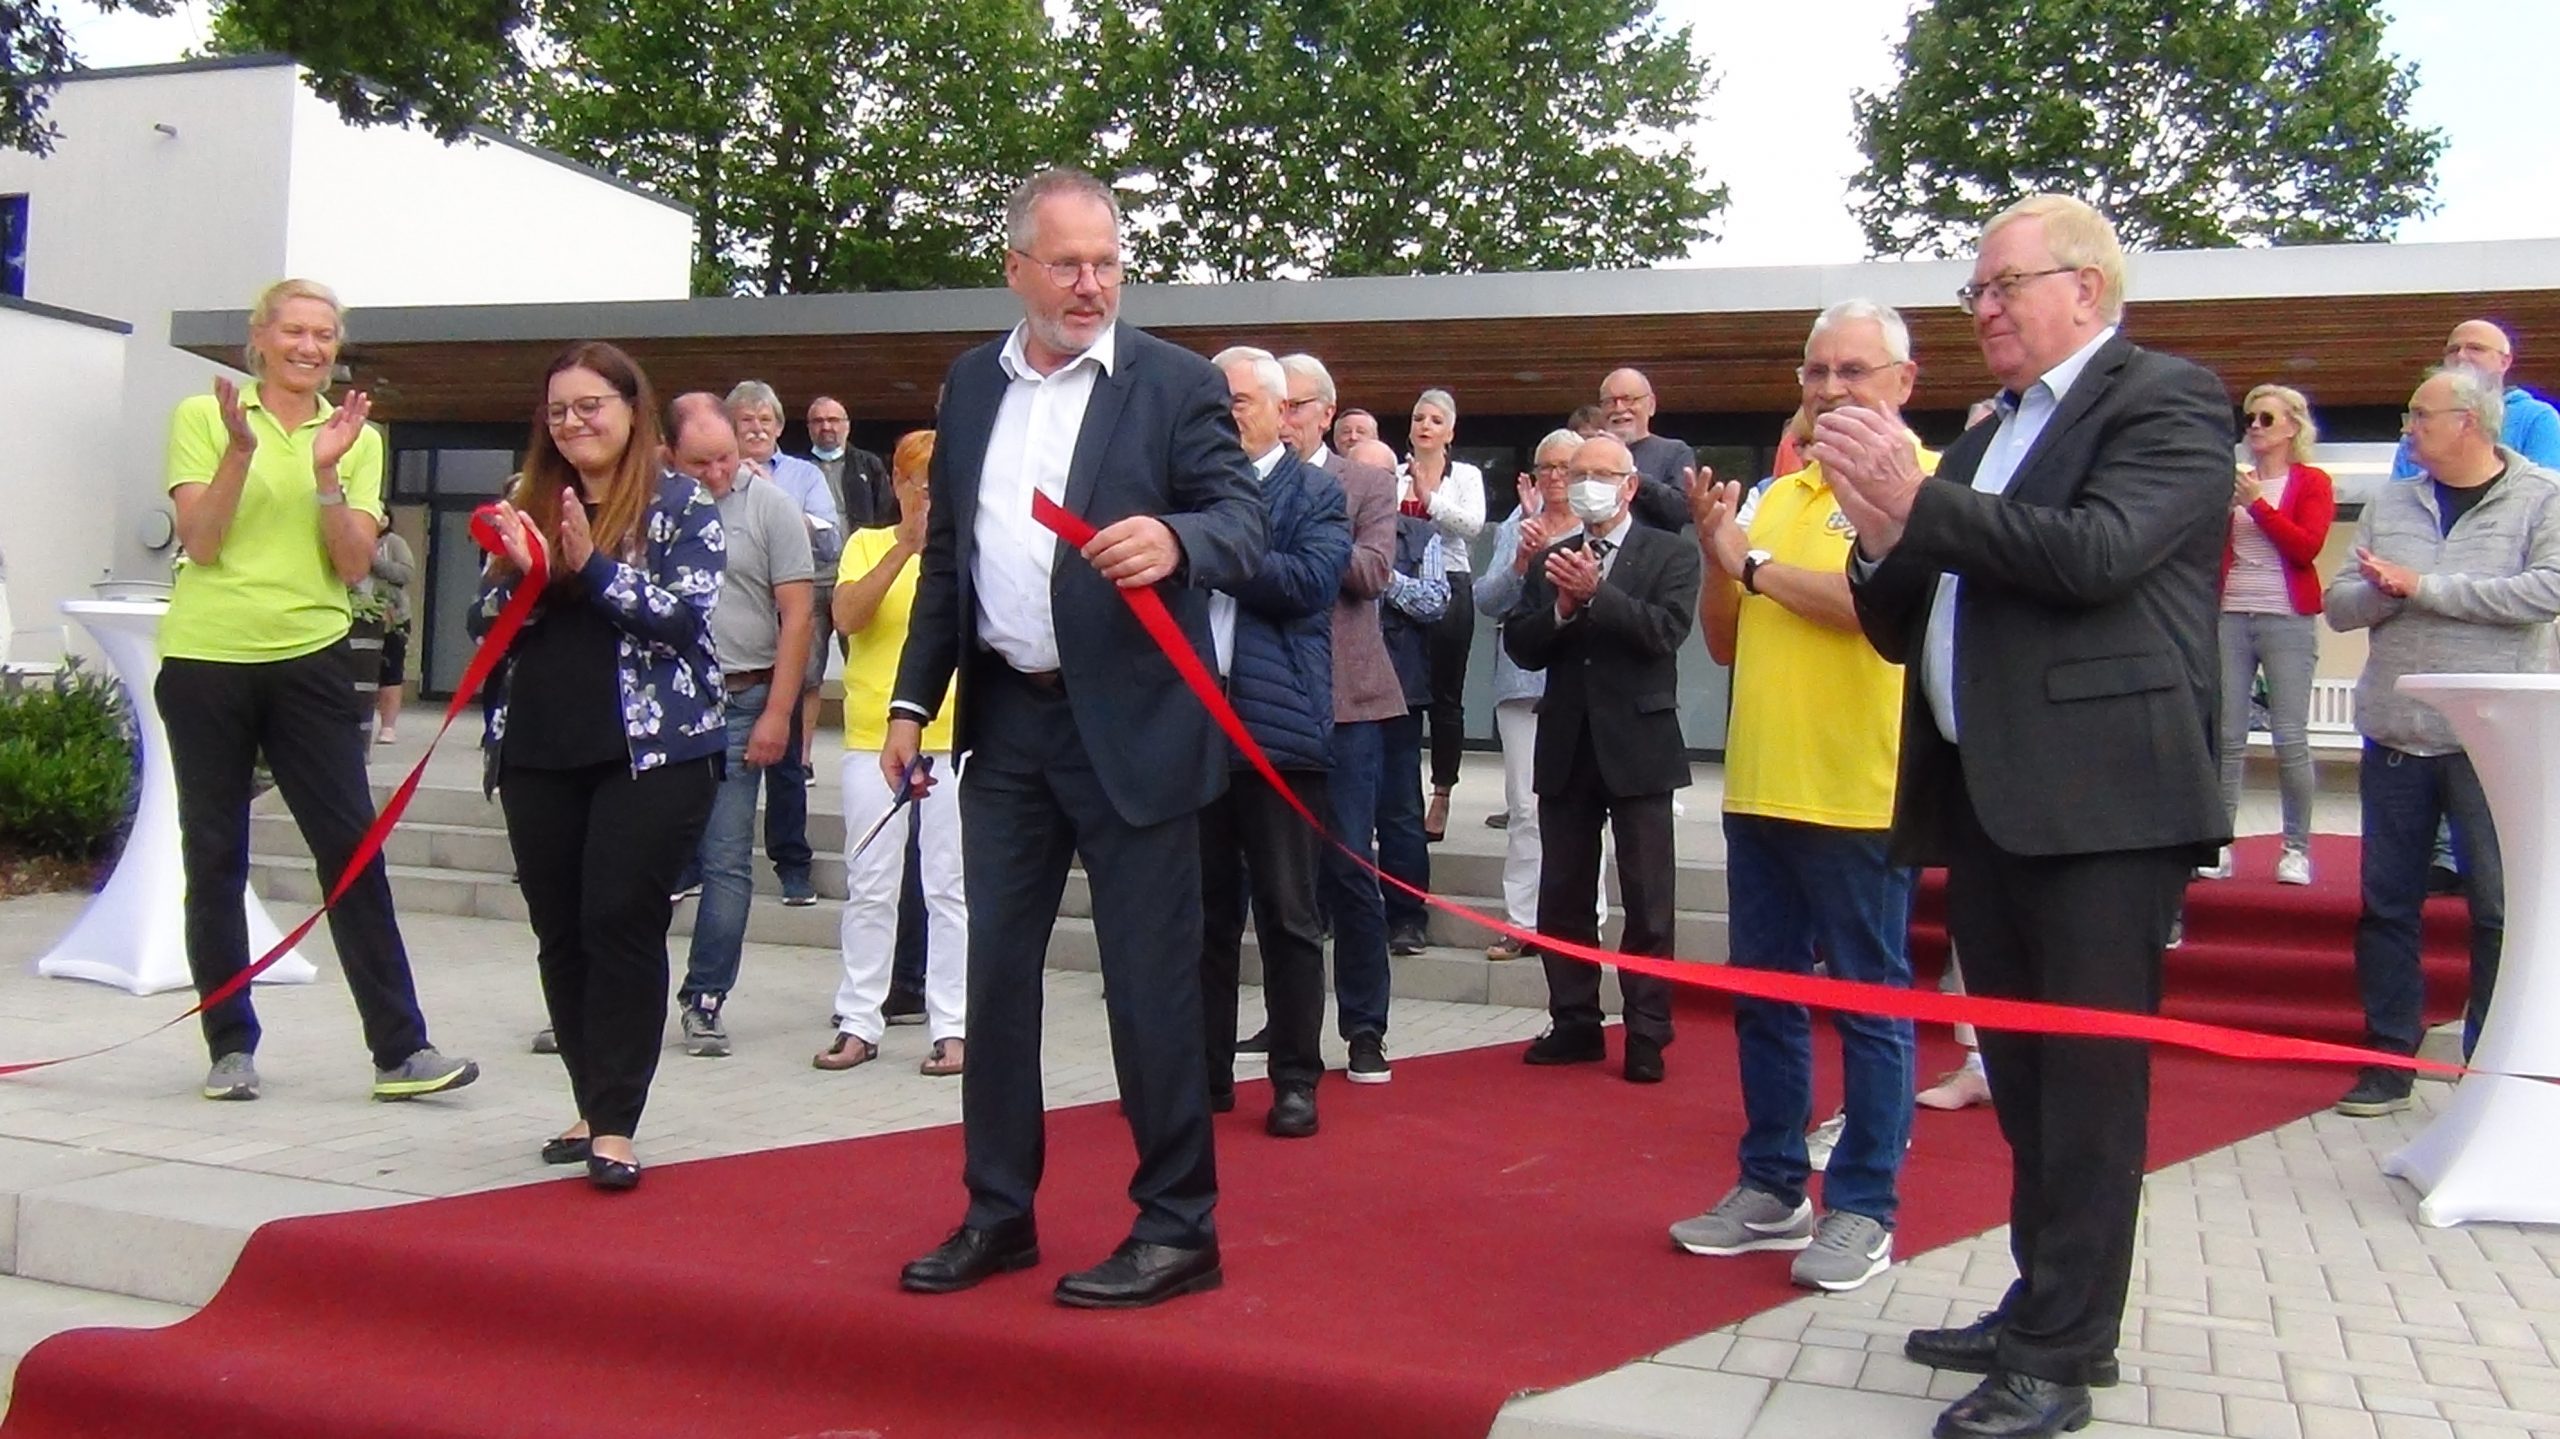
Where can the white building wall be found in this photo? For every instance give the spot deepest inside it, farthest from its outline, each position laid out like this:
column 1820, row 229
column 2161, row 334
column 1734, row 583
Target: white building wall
column 56, row 502
column 129, row 220
column 397, row 217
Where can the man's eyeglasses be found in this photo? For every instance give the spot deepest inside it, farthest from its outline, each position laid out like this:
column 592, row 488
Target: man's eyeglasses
column 1852, row 374
column 2264, row 419
column 2004, row 288
column 1553, row 467
column 1291, row 407
column 1065, row 273
column 585, row 407
column 1615, row 477
column 1628, row 402
column 2412, row 415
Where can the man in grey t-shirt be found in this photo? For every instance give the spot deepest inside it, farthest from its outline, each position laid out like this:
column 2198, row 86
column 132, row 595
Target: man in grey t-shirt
column 760, row 629
column 1626, row 408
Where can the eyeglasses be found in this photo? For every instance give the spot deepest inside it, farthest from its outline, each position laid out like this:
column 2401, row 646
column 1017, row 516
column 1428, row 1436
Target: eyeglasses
column 1291, row 407
column 1852, row 374
column 1615, row 477
column 1629, row 401
column 2264, row 419
column 2004, row 288
column 1553, row 467
column 1064, row 274
column 2412, row 415
column 585, row 407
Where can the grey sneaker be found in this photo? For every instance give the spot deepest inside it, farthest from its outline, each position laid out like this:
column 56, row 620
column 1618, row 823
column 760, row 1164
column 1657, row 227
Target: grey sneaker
column 546, row 1040
column 703, row 1036
column 234, row 1076
column 425, row 1072
column 1847, row 1251
column 1824, row 1138
column 1746, row 1221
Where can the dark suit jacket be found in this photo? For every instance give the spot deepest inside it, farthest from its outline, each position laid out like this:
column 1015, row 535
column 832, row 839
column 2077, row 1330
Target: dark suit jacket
column 1157, row 440
column 1614, row 668
column 2086, row 671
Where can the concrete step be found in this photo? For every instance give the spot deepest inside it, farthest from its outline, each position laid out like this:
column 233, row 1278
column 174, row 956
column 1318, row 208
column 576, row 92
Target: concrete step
column 485, row 894
column 32, row 1311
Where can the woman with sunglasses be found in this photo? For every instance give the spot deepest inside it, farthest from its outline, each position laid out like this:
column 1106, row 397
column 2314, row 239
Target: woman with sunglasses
column 606, row 742
column 1449, row 492
column 2281, row 510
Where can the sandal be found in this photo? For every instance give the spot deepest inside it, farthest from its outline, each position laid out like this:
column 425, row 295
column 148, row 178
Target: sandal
column 947, row 1058
column 845, row 1053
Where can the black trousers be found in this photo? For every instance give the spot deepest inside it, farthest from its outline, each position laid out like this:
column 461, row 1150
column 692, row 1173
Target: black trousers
column 597, row 851
column 1569, row 825
column 1030, row 800
column 2072, row 929
column 306, row 719
column 1251, row 842
column 1452, row 638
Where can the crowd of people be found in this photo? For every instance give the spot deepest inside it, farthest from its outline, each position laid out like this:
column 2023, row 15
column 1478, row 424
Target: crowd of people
column 2029, row 657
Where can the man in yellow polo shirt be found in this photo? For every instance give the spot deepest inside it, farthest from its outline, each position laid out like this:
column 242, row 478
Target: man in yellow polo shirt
column 1809, row 777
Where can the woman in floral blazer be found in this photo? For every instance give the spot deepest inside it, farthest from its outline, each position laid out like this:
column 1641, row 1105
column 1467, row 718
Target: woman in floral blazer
column 604, row 742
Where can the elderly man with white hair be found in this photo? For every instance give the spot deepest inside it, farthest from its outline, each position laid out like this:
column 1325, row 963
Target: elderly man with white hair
column 2456, row 571
column 2528, row 424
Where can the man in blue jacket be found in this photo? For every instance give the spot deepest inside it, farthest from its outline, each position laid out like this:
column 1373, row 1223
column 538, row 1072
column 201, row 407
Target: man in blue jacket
column 2531, row 427
column 1273, row 636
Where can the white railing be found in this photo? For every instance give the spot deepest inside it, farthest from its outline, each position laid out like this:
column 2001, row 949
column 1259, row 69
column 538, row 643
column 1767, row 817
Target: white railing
column 2333, row 707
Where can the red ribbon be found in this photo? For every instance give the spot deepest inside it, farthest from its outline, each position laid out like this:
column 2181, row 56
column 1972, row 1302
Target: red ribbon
column 493, row 647
column 1890, row 1001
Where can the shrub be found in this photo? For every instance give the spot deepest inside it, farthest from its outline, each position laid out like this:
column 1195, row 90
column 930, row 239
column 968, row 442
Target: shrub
column 66, row 764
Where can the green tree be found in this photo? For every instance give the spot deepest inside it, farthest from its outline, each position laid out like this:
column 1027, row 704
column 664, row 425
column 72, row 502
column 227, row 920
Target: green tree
column 1271, row 138
column 33, row 46
column 443, row 64
column 2191, row 123
column 825, row 145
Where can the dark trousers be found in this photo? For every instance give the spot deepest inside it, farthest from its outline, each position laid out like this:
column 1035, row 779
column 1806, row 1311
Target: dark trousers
column 1352, row 896
column 597, row 851
column 1452, row 636
column 2405, row 798
column 786, row 807
column 1569, row 825
column 2070, row 929
column 1252, row 823
column 302, row 714
column 1030, row 800
column 1402, row 851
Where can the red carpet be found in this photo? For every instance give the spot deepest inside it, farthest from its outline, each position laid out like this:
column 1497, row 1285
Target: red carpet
column 1476, row 1229
column 2268, row 956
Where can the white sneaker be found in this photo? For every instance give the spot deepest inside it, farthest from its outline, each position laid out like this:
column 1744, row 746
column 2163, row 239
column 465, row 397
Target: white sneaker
column 2219, row 869
column 1822, row 1139
column 2293, row 867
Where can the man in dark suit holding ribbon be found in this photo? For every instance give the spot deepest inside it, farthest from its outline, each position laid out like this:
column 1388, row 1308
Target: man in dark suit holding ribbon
column 1082, row 738
column 2052, row 592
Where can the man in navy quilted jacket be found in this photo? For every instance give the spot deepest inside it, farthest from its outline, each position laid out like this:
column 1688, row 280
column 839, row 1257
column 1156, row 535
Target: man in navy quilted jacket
column 1274, row 641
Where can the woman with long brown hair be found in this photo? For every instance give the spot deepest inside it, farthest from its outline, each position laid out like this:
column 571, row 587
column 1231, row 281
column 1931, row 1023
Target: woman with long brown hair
column 605, row 743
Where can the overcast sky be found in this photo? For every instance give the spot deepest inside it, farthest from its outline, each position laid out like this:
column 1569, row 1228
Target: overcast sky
column 1778, row 129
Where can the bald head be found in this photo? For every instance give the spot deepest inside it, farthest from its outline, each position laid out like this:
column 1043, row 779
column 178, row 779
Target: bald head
column 1372, row 452
column 2481, row 348
column 1626, row 405
column 702, row 442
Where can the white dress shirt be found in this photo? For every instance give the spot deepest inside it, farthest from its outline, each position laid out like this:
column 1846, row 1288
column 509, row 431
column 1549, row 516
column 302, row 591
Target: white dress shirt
column 1222, row 606
column 2022, row 420
column 1034, row 442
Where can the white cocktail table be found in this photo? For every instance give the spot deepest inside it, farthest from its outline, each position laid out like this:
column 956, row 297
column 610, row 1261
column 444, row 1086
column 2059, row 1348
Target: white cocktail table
column 2490, row 1154
column 134, row 933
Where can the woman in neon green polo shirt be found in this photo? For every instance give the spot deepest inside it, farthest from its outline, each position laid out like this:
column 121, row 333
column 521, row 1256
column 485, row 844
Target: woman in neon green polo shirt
column 279, row 494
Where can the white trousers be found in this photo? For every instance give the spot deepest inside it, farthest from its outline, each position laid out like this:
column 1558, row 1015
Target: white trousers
column 1515, row 724
column 868, row 934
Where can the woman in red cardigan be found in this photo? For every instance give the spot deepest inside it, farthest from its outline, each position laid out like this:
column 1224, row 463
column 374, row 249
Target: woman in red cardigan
column 2281, row 509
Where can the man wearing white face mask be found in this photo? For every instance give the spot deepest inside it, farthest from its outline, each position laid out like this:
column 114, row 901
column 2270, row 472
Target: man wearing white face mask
column 1604, row 613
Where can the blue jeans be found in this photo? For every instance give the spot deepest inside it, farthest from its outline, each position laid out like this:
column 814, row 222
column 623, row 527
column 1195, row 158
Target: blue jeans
column 786, row 805
column 2404, row 797
column 1402, row 851
column 726, row 860
column 1351, row 894
column 1802, row 892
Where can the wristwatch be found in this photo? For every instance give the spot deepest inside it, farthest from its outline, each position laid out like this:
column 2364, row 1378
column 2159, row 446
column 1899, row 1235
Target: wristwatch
column 1751, row 563
column 333, row 497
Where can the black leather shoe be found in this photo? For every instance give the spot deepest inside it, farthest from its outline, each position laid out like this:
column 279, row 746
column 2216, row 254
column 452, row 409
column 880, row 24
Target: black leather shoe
column 1137, row 1275
column 972, row 1256
column 2010, row 1405
column 612, row 1174
column 1975, row 1349
column 566, row 1151
column 1567, row 1046
column 1644, row 1060
column 1293, row 1114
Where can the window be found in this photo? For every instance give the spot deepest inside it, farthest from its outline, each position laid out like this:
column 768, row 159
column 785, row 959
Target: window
column 13, row 246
